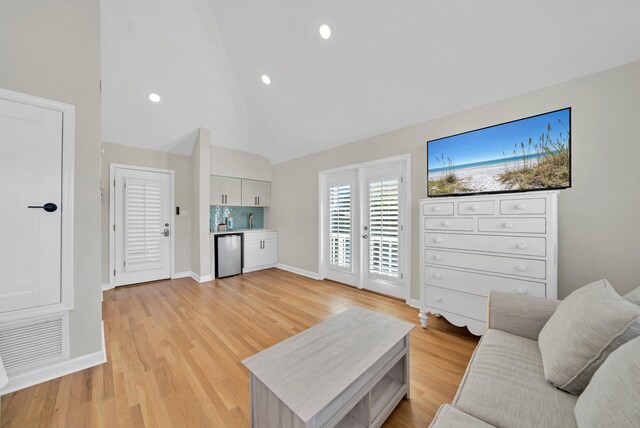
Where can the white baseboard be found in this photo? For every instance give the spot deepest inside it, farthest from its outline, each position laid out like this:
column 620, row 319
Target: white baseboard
column 56, row 370
column 307, row 273
column 414, row 303
column 199, row 278
column 178, row 275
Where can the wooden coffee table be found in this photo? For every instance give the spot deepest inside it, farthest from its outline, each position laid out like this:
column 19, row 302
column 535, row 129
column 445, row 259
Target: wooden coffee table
column 348, row 371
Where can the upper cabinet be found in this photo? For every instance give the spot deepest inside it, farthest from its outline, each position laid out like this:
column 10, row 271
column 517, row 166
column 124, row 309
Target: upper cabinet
column 256, row 193
column 225, row 191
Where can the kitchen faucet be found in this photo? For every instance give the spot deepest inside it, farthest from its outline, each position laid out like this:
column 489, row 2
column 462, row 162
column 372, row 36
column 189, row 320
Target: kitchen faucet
column 250, row 220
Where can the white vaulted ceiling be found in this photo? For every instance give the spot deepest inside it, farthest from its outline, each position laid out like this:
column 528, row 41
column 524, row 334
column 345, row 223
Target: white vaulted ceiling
column 388, row 64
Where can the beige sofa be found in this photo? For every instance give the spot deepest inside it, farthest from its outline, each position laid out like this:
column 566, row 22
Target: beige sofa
column 504, row 385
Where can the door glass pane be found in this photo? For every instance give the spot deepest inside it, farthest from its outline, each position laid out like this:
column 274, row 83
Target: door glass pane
column 340, row 226
column 143, row 223
column 384, row 227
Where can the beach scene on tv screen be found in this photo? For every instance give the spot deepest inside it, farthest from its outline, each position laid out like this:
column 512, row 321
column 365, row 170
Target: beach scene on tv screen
column 528, row 154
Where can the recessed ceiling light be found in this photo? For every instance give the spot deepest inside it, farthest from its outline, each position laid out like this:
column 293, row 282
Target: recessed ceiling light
column 265, row 79
column 325, row 31
column 154, row 98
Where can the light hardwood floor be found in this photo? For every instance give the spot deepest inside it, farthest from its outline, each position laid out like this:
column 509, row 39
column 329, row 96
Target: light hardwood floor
column 174, row 350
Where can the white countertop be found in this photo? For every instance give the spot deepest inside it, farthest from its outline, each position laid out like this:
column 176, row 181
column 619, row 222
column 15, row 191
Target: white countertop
column 243, row 231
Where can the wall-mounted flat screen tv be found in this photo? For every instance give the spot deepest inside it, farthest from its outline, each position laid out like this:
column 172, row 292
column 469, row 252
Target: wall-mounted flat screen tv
column 533, row 153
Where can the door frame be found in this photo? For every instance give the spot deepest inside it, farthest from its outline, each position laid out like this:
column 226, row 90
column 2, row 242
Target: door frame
column 405, row 246
column 67, row 198
column 112, row 215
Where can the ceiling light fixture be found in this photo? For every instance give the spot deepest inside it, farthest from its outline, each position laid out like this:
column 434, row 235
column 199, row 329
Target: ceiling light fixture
column 325, row 31
column 266, row 79
column 154, row 98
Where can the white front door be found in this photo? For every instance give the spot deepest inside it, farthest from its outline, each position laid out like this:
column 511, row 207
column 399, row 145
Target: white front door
column 142, row 207
column 382, row 260
column 31, row 195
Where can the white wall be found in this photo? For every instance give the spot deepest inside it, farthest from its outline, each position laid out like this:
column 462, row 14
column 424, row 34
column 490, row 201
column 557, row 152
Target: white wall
column 598, row 226
column 51, row 49
column 236, row 163
column 200, row 172
column 181, row 165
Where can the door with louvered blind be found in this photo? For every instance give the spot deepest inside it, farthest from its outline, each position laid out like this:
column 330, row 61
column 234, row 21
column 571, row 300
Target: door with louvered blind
column 342, row 218
column 382, row 231
column 142, row 205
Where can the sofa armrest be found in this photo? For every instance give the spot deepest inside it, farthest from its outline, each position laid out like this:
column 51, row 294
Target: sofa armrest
column 520, row 315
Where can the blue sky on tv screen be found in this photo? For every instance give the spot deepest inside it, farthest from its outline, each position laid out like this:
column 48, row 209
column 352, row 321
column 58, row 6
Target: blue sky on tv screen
column 490, row 143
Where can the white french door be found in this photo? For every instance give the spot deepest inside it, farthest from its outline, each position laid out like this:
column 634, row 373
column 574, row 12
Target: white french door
column 142, row 228
column 363, row 233
column 382, row 229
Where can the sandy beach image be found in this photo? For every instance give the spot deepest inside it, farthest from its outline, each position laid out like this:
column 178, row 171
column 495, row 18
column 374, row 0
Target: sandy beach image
column 529, row 154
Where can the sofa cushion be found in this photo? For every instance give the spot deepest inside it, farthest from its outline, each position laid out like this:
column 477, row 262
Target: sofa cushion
column 505, row 385
column 612, row 398
column 586, row 327
column 634, row 296
column 450, row 417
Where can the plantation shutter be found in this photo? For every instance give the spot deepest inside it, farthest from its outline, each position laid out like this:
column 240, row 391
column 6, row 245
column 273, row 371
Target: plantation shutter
column 384, row 227
column 143, row 224
column 340, row 226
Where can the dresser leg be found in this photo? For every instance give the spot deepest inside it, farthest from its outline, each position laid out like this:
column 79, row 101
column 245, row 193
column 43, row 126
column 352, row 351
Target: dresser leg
column 423, row 318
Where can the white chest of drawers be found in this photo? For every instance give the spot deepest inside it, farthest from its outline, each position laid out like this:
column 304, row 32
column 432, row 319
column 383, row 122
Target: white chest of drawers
column 472, row 245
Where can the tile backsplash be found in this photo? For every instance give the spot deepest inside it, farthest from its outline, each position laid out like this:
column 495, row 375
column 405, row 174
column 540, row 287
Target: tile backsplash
column 240, row 216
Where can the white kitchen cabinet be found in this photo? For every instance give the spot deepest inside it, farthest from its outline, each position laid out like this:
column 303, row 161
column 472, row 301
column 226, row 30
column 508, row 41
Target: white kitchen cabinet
column 256, row 193
column 225, row 191
column 260, row 250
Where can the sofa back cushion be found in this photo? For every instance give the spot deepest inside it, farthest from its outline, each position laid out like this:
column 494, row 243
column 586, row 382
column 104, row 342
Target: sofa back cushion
column 585, row 329
column 634, row 296
column 612, row 398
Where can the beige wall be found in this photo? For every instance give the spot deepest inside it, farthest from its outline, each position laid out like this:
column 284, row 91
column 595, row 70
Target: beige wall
column 236, row 163
column 598, row 226
column 51, row 49
column 200, row 175
column 181, row 165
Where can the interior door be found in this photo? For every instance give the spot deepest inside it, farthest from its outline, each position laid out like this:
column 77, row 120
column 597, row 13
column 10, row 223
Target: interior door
column 341, row 214
column 382, row 260
column 142, row 225
column 31, row 193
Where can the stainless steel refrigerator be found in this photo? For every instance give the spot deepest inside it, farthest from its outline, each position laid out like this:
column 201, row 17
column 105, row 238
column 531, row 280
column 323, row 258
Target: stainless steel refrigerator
column 228, row 254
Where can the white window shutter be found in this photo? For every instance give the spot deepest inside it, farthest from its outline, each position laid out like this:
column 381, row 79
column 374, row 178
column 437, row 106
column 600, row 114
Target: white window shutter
column 340, row 226
column 143, row 223
column 384, row 227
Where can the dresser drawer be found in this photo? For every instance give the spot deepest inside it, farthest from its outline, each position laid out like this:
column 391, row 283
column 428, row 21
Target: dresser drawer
column 496, row 264
column 441, row 208
column 477, row 208
column 523, row 206
column 513, row 225
column 527, row 246
column 479, row 283
column 464, row 304
column 463, row 224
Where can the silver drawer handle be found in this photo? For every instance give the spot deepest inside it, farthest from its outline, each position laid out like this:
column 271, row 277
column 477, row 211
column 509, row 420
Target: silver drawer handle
column 446, row 223
column 521, row 207
column 437, row 240
column 437, row 209
column 508, row 225
column 437, row 257
column 521, row 291
column 522, row 245
column 438, row 299
column 473, row 208
column 437, row 275
column 522, row 268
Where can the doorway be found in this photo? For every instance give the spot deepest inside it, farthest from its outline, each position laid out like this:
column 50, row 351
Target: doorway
column 141, row 217
column 364, row 226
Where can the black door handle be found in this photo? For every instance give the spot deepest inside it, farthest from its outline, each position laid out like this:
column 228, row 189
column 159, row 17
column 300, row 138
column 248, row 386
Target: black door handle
column 48, row 207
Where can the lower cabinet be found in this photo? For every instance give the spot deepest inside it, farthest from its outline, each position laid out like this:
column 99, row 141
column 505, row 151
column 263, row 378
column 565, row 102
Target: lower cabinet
column 260, row 250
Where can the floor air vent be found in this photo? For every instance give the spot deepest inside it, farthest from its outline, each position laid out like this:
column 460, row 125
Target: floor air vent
column 32, row 342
